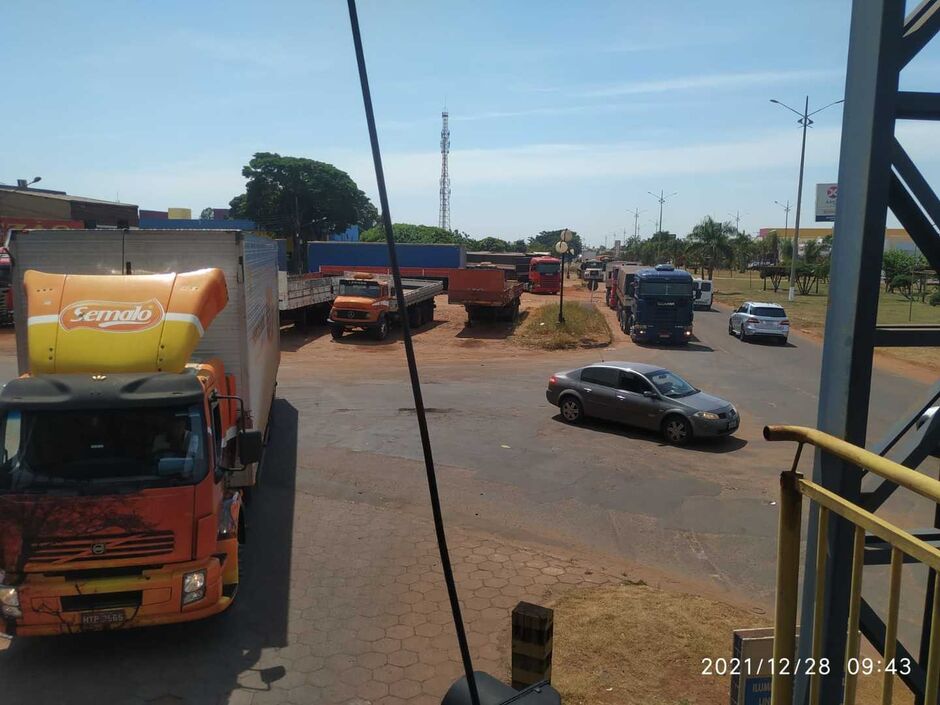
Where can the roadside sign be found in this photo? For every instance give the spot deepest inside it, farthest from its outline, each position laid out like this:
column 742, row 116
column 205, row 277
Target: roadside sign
column 561, row 247
column 826, row 195
column 566, row 235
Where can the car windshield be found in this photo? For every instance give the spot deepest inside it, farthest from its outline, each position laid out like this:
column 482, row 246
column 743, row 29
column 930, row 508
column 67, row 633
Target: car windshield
column 768, row 312
column 670, row 384
column 102, row 448
column 665, row 288
column 355, row 287
column 547, row 267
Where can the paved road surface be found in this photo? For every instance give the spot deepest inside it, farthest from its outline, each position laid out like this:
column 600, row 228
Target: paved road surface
column 343, row 599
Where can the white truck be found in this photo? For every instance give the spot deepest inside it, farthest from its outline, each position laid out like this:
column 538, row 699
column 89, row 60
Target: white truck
column 301, row 295
column 245, row 336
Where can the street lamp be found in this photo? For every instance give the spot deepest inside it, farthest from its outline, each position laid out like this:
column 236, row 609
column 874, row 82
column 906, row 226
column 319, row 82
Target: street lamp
column 786, row 217
column 23, row 183
column 805, row 122
column 662, row 199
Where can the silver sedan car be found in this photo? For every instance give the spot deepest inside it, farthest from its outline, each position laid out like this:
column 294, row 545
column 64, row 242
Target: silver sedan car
column 641, row 395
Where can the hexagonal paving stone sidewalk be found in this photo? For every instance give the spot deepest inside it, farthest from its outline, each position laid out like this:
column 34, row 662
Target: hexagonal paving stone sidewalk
column 369, row 618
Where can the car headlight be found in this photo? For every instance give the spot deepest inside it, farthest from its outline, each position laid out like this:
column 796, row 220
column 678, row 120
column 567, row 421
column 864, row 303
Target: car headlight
column 711, row 416
column 10, row 602
column 194, row 586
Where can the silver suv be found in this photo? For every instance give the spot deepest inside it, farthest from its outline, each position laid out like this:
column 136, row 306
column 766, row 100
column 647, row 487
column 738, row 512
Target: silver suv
column 755, row 320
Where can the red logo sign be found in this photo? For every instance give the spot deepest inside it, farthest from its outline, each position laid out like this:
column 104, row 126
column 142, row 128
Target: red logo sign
column 832, row 192
column 112, row 316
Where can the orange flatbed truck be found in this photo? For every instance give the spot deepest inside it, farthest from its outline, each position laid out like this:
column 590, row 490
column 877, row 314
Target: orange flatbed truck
column 367, row 301
column 128, row 454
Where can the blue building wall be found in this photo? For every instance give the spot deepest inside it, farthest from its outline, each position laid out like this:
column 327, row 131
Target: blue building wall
column 351, row 234
column 196, row 224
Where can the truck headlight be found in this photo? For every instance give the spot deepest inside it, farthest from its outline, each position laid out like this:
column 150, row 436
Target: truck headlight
column 10, row 602
column 707, row 415
column 194, row 586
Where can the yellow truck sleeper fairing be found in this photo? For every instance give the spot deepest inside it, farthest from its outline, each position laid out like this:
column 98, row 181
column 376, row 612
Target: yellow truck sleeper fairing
column 141, row 323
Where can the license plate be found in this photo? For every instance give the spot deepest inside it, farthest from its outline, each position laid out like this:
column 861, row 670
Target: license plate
column 665, row 335
column 103, row 619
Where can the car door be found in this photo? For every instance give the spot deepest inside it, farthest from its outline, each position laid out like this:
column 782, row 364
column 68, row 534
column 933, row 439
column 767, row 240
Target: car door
column 634, row 406
column 598, row 387
column 738, row 317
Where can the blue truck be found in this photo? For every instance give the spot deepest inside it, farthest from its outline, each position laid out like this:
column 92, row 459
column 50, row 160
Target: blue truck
column 328, row 256
column 661, row 307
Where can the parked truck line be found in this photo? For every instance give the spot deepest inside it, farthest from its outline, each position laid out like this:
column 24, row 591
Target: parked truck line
column 368, row 301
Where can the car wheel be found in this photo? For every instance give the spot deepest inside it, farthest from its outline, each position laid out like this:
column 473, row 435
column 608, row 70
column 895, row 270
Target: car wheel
column 730, row 329
column 783, row 341
column 743, row 335
column 572, row 410
column 677, row 430
column 337, row 332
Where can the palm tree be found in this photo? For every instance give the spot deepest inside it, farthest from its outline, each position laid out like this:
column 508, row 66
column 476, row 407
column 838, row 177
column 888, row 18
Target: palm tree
column 710, row 239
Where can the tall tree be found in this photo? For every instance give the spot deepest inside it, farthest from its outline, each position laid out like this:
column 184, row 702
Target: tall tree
column 742, row 247
column 409, row 233
column 710, row 239
column 301, row 199
column 206, row 214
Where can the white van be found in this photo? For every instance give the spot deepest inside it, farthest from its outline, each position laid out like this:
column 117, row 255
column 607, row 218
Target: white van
column 703, row 293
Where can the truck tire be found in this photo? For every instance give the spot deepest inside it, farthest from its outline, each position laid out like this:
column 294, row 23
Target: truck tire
column 414, row 317
column 380, row 332
column 337, row 331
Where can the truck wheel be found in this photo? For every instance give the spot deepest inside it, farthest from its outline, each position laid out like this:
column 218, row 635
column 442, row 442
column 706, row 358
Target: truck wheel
column 380, row 332
column 337, row 331
column 428, row 316
column 414, row 317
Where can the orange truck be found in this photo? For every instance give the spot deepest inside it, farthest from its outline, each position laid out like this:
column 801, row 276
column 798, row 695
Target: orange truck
column 129, row 445
column 368, row 302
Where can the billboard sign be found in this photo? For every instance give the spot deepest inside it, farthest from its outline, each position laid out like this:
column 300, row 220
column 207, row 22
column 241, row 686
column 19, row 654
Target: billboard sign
column 826, row 195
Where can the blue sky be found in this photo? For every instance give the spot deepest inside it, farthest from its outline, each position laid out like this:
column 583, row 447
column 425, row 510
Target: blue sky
column 562, row 113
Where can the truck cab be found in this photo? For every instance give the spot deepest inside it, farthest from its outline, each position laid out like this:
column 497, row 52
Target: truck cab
column 544, row 275
column 362, row 301
column 661, row 307
column 115, row 510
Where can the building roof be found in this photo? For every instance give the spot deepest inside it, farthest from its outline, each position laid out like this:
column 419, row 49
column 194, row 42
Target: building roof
column 63, row 197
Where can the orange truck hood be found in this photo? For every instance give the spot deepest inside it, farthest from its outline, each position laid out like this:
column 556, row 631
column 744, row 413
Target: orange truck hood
column 354, row 302
column 114, row 323
column 59, row 533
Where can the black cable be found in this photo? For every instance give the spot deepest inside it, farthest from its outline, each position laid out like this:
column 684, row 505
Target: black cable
column 412, row 364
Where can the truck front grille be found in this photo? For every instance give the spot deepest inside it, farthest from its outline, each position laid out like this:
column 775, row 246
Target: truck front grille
column 101, row 601
column 79, row 549
column 351, row 314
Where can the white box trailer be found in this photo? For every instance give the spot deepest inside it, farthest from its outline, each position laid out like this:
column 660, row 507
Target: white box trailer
column 245, row 335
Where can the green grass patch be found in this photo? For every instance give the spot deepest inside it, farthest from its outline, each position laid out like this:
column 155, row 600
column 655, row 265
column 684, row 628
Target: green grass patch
column 584, row 327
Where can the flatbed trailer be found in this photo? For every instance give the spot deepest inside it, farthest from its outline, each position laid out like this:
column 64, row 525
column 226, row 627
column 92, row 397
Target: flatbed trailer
column 368, row 301
column 438, row 274
column 486, row 294
column 301, row 295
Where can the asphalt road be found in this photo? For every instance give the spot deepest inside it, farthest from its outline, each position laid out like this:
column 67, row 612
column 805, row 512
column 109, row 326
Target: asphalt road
column 344, row 503
column 508, row 464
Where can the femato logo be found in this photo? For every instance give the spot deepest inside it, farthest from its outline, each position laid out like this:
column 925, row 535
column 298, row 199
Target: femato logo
column 112, row 316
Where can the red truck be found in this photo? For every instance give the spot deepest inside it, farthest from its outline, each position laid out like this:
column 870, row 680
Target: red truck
column 544, row 275
column 486, row 294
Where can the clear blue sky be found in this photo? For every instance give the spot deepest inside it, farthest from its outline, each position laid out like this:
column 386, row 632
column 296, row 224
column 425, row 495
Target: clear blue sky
column 562, row 113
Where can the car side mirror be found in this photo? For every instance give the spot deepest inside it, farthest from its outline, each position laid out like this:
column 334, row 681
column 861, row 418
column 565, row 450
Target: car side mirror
column 250, row 445
column 650, row 394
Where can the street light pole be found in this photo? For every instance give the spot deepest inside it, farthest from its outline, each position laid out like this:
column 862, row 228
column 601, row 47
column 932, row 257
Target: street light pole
column 662, row 198
column 805, row 122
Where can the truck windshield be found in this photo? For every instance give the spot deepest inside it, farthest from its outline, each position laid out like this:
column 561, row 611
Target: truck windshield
column 670, row 384
column 660, row 288
column 356, row 287
column 101, row 449
column 548, row 267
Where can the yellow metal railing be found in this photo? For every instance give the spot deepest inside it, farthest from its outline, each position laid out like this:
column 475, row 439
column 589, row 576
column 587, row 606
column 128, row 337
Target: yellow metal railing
column 793, row 487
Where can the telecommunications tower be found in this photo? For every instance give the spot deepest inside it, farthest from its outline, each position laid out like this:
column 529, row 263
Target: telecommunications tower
column 444, row 220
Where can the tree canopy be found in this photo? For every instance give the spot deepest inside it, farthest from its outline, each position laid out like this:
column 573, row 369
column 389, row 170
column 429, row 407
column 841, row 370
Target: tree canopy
column 299, row 197
column 546, row 239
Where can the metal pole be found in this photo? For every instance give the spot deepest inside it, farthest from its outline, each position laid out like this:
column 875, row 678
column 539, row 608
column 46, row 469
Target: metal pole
column 799, row 202
column 788, row 582
column 561, row 292
column 661, row 201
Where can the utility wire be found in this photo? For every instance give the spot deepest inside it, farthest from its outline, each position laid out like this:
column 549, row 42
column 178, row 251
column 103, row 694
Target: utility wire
column 412, row 363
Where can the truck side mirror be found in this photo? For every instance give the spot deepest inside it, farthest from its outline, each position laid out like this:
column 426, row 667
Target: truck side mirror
column 250, row 445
